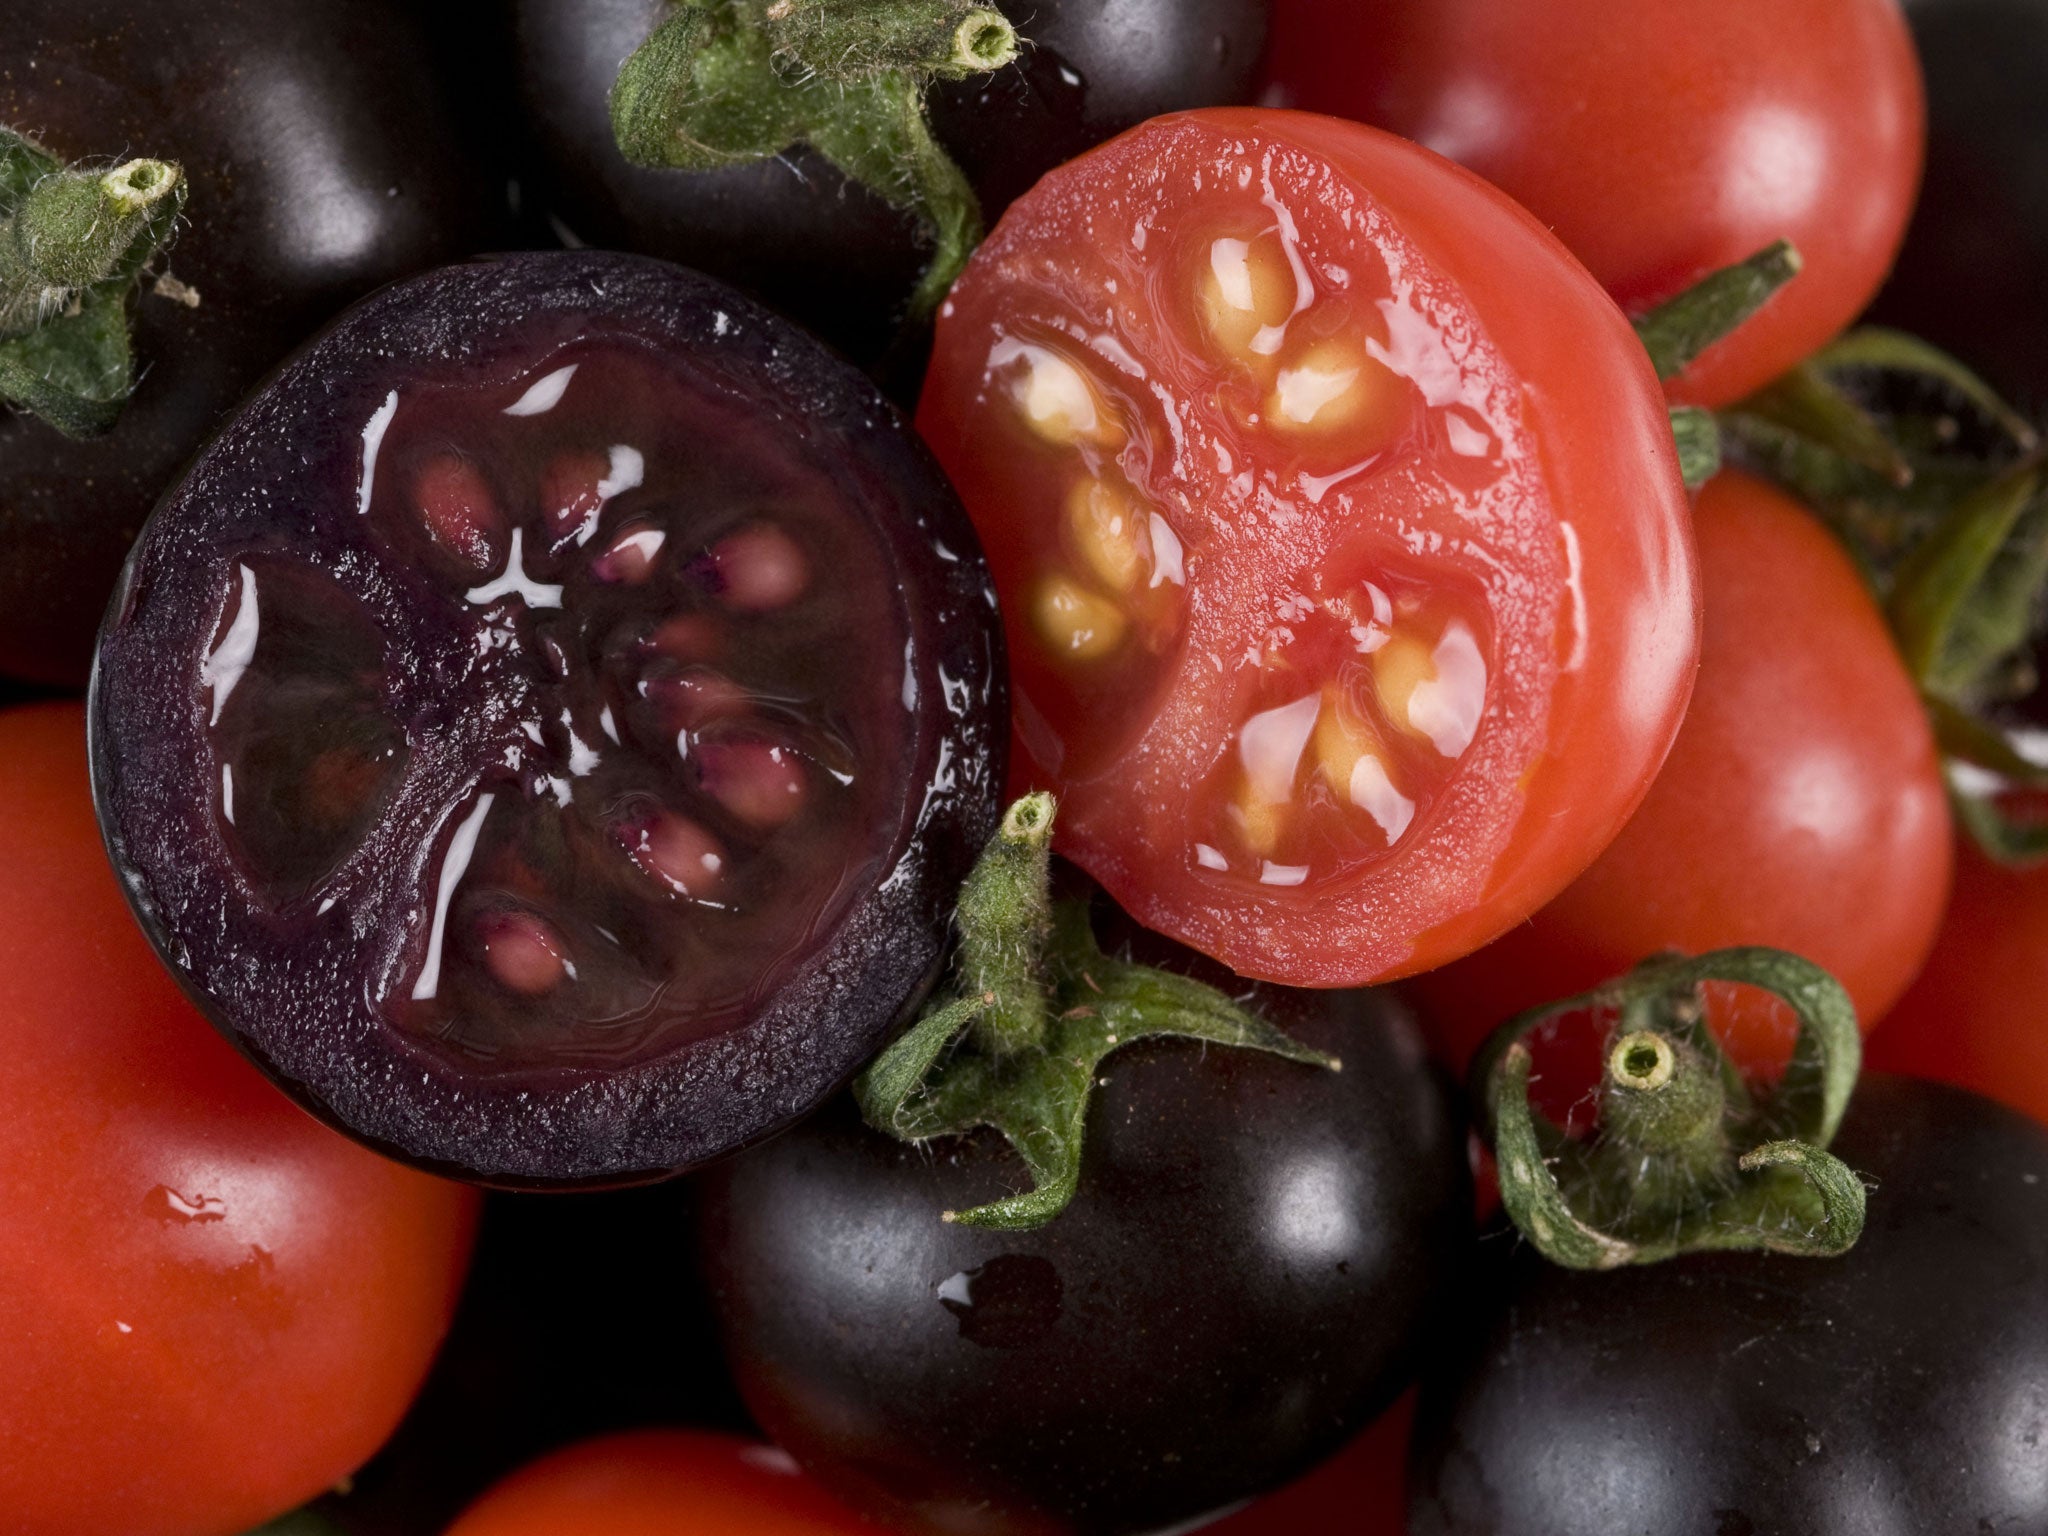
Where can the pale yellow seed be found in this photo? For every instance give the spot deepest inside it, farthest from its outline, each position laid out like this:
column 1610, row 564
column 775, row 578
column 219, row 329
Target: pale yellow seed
column 1059, row 402
column 1398, row 668
column 1330, row 385
column 1106, row 528
column 1260, row 823
column 1245, row 295
column 1076, row 623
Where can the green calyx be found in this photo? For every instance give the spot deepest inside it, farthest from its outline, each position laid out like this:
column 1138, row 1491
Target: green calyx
column 722, row 82
column 73, row 244
column 1681, row 328
column 1685, row 1157
column 1940, row 491
column 1017, row 1039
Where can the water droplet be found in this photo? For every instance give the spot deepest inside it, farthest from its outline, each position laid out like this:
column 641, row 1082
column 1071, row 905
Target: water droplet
column 1010, row 1302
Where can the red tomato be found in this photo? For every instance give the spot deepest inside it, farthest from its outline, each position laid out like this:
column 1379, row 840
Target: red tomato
column 1334, row 512
column 1803, row 806
column 660, row 1482
column 1976, row 1017
column 215, row 1307
column 1660, row 138
column 1360, row 1491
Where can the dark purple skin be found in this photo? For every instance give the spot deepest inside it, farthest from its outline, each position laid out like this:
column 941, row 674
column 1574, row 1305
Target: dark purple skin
column 794, row 230
column 323, row 160
column 1249, row 1273
column 394, row 682
column 1902, row 1387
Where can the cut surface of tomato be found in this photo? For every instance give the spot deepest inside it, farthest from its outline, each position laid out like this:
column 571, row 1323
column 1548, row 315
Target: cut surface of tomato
column 1339, row 533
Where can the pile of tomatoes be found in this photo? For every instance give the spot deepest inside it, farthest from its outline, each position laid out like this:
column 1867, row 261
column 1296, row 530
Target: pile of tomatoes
column 1390, row 677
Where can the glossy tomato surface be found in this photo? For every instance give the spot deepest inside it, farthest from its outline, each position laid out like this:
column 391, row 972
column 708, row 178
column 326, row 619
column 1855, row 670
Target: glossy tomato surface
column 1661, row 139
column 216, row 1307
column 661, row 1482
column 1253, row 1267
column 1978, row 1014
column 1802, row 806
column 1341, row 545
column 1902, row 1387
column 324, row 160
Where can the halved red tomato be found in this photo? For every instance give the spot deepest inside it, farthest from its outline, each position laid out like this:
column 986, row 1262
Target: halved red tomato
column 1337, row 521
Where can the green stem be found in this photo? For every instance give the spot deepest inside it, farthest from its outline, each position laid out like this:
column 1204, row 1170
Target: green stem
column 1684, row 1158
column 73, row 244
column 721, row 82
column 1005, row 917
column 1018, row 1040
column 1680, row 329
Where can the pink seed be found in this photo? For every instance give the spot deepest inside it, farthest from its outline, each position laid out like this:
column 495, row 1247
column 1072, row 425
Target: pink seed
column 677, row 852
column 760, row 782
column 456, row 505
column 569, row 493
column 630, row 559
column 761, row 568
column 523, row 952
column 695, row 697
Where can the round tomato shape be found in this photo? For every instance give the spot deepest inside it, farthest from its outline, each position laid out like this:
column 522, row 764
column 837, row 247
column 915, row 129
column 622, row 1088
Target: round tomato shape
column 1975, row 1016
column 1802, row 806
column 216, row 1307
column 1661, row 139
column 1897, row 1388
column 660, row 1482
column 1253, row 1265
column 1339, row 535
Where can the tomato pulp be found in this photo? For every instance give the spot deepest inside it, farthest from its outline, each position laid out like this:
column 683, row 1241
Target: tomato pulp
column 1339, row 533
column 1661, row 139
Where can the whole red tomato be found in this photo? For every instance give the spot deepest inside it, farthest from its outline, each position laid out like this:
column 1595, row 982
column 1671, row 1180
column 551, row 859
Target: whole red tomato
column 660, row 1482
column 1975, row 1017
column 1335, row 513
column 1802, row 806
column 1660, row 138
column 215, row 1307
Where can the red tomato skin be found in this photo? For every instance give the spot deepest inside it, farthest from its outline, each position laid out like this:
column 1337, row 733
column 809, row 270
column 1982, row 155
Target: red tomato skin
column 1975, row 1017
column 1661, row 139
column 1360, row 1491
column 1802, row 807
column 216, row 1307
column 660, row 1482
column 1615, row 672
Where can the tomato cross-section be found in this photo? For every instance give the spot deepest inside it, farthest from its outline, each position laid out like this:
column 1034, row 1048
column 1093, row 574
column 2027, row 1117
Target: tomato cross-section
column 1339, row 531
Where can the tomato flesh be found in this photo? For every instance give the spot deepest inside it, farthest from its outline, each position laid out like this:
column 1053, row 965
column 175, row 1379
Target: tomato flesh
column 1335, row 518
